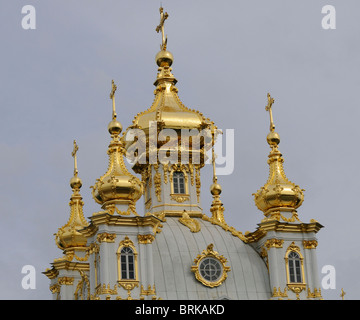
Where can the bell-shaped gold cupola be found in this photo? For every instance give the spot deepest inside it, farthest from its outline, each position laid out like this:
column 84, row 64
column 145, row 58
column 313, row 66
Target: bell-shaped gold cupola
column 278, row 194
column 167, row 111
column 69, row 236
column 117, row 190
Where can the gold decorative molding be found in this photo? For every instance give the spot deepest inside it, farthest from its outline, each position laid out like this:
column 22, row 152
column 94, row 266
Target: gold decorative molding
column 226, row 227
column 82, row 291
column 276, row 215
column 111, row 209
column 197, row 181
column 106, row 237
column 146, row 238
column 67, row 281
column 105, row 289
column 294, row 247
column 315, row 294
column 180, row 198
column 310, row 244
column 274, row 243
column 191, row 223
column 55, row 288
column 148, row 292
column 128, row 284
column 157, row 182
column 277, row 293
column 297, row 288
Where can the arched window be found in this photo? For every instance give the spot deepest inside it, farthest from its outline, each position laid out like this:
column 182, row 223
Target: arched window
column 179, row 182
column 294, row 265
column 127, row 264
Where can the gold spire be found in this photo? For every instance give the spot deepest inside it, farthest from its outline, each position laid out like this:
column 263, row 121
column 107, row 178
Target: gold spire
column 278, row 193
column 217, row 207
column 117, row 190
column 69, row 236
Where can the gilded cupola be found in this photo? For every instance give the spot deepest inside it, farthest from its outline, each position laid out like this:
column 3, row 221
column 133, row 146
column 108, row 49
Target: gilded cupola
column 278, row 194
column 117, row 190
column 69, row 236
column 167, row 111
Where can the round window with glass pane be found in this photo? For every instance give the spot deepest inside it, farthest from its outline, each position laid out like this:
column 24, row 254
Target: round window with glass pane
column 210, row 269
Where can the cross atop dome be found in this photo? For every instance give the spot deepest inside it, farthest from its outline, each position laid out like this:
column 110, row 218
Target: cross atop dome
column 160, row 27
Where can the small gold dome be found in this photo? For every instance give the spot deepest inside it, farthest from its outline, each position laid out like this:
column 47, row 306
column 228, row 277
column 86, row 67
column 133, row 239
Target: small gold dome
column 278, row 193
column 68, row 236
column 117, row 185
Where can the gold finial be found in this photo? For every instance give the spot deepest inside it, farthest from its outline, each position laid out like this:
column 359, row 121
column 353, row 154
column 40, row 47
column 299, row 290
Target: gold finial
column 213, row 164
column 343, row 293
column 112, row 97
column 163, row 17
column 75, row 182
column 114, row 126
column 268, row 108
column 73, row 153
column 217, row 207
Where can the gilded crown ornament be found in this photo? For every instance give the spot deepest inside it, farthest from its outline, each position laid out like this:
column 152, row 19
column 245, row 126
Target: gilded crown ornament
column 68, row 236
column 117, row 190
column 278, row 194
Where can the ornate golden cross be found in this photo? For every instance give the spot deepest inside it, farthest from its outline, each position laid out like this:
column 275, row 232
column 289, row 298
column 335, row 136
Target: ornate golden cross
column 268, row 108
column 112, row 97
column 73, row 153
column 163, row 17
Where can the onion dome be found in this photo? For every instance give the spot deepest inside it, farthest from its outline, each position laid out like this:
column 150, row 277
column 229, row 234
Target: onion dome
column 278, row 193
column 69, row 236
column 117, row 190
column 167, row 107
column 167, row 110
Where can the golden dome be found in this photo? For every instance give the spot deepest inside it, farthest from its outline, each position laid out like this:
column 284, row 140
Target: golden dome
column 68, row 236
column 167, row 108
column 278, row 193
column 166, row 112
column 117, row 186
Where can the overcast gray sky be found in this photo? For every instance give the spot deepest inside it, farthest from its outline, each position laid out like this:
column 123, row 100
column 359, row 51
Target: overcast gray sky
column 54, row 88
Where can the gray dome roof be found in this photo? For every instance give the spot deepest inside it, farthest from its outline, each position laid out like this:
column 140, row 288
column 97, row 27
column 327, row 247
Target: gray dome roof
column 176, row 247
